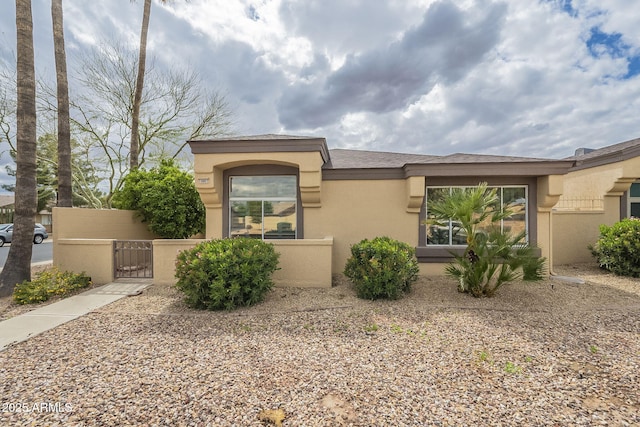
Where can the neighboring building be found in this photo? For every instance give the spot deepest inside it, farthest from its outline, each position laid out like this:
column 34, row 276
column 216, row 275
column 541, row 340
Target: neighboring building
column 350, row 195
column 7, row 202
column 7, row 208
column 602, row 187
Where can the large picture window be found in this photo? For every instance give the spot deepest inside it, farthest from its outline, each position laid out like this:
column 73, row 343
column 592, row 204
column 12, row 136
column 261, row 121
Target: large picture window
column 515, row 197
column 263, row 207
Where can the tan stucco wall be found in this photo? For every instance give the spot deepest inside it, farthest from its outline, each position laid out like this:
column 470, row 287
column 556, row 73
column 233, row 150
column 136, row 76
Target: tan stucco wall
column 353, row 210
column 549, row 190
column 116, row 224
column 165, row 252
column 591, row 183
column 302, row 263
column 606, row 180
column 574, row 231
column 83, row 239
column 92, row 256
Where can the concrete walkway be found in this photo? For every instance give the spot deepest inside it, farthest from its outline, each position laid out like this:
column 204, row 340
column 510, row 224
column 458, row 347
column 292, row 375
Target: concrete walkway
column 25, row 326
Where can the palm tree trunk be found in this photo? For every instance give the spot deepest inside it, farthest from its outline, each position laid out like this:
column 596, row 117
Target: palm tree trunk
column 135, row 116
column 65, row 198
column 18, row 265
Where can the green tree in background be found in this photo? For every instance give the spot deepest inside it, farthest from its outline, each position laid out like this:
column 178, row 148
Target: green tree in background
column 85, row 182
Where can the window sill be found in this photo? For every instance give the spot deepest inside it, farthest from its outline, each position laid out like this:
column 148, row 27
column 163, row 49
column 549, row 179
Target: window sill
column 443, row 254
column 438, row 254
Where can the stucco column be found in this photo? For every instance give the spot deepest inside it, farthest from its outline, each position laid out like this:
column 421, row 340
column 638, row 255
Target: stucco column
column 550, row 189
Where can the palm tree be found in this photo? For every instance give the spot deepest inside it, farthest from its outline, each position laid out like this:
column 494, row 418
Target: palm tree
column 134, row 149
column 65, row 193
column 137, row 99
column 18, row 264
column 492, row 256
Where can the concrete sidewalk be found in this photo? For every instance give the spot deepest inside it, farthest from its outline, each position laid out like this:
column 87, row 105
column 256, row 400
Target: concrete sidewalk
column 25, row 326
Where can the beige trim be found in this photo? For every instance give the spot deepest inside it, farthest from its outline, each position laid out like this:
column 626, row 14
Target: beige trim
column 209, row 173
column 549, row 191
column 416, row 190
column 621, row 186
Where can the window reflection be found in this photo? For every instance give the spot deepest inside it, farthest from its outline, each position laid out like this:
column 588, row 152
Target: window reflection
column 263, row 207
column 450, row 232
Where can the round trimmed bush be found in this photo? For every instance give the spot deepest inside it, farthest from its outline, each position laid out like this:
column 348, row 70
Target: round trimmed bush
column 226, row 273
column 618, row 248
column 382, row 268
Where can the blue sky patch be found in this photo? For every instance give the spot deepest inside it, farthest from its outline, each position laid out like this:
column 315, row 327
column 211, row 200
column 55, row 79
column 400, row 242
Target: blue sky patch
column 634, row 67
column 601, row 43
column 564, row 5
column 568, row 7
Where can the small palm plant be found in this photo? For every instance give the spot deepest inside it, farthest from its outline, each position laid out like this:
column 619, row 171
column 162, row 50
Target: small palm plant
column 492, row 256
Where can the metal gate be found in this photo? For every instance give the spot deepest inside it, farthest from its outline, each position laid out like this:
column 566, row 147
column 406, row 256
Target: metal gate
column 133, row 259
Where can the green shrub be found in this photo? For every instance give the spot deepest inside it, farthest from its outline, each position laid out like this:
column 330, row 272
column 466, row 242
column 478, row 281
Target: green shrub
column 498, row 258
column 618, row 248
column 49, row 283
column 381, row 268
column 165, row 198
column 227, row 273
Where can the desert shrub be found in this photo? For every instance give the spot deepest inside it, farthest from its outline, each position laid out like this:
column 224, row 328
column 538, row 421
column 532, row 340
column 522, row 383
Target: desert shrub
column 226, row 273
column 49, row 283
column 381, row 268
column 618, row 248
column 497, row 258
column 165, row 198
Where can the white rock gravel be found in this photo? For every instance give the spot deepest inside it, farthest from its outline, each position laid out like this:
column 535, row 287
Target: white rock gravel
column 548, row 354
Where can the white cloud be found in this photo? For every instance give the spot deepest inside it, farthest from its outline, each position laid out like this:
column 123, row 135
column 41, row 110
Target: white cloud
column 432, row 76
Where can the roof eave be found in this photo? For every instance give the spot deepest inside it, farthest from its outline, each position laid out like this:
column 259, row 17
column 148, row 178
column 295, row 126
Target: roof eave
column 605, row 159
column 559, row 167
column 275, row 145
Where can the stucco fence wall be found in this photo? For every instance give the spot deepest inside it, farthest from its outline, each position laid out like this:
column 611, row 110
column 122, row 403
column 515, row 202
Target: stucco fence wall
column 573, row 231
column 84, row 238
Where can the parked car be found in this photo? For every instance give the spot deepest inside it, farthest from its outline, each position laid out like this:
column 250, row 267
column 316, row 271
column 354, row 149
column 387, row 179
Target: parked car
column 6, row 234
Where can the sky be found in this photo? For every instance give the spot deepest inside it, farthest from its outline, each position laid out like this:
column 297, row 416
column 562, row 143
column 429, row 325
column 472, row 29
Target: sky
column 535, row 78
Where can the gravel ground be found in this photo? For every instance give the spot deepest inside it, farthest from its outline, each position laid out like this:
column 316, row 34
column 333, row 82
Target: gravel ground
column 552, row 353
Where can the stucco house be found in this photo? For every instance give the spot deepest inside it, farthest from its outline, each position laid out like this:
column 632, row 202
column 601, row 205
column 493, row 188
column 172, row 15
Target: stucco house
column 313, row 203
column 349, row 195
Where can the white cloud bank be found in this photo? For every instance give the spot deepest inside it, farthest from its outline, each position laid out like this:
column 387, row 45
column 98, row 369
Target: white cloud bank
column 516, row 77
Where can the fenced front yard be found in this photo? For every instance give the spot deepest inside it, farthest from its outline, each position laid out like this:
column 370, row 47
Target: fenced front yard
column 87, row 240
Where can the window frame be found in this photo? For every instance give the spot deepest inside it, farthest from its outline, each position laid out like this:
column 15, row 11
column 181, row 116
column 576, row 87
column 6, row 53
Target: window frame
column 444, row 254
column 632, row 199
column 450, row 227
column 261, row 170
